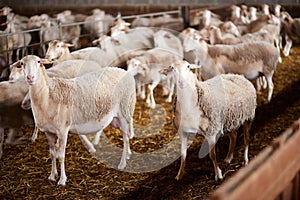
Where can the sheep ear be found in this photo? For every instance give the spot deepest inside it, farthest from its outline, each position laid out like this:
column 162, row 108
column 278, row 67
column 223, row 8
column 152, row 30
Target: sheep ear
column 193, row 66
column 45, row 61
column 16, row 64
column 96, row 42
column 204, row 39
column 68, row 45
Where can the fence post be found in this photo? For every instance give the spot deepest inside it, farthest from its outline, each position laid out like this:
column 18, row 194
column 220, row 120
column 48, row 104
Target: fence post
column 186, row 16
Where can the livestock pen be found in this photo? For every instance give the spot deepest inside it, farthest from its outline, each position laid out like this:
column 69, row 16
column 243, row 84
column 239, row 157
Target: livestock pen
column 24, row 168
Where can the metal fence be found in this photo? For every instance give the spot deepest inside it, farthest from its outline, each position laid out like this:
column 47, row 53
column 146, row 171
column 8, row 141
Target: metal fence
column 28, row 48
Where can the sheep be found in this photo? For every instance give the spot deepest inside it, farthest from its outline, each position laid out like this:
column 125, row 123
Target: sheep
column 115, row 52
column 67, row 69
column 291, row 31
column 20, row 40
column 69, row 33
column 212, row 108
column 107, row 97
column 168, row 49
column 165, row 21
column 12, row 116
column 252, row 60
column 98, row 23
column 58, row 51
column 120, row 26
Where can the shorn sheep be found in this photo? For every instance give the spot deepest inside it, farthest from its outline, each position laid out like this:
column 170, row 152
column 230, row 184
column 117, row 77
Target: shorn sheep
column 212, row 108
column 66, row 69
column 252, row 60
column 82, row 105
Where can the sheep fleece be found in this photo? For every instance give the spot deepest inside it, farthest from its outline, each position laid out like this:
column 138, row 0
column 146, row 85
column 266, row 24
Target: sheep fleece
column 227, row 101
column 112, row 82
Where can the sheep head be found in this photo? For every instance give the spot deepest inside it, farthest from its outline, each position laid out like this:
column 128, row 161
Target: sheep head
column 57, row 49
column 30, row 65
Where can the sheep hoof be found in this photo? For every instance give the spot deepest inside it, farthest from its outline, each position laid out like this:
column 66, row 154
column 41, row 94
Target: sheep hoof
column 92, row 149
column 228, row 159
column 122, row 166
column 178, row 178
column 218, row 175
column 128, row 155
column 51, row 177
column 62, row 182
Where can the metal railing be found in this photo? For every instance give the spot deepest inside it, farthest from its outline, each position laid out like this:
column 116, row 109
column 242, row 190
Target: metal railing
column 6, row 36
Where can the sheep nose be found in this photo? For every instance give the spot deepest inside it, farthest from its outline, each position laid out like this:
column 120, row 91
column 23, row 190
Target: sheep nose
column 30, row 78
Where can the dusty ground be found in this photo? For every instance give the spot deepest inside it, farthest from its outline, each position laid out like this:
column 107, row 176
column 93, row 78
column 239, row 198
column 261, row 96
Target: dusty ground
column 24, row 169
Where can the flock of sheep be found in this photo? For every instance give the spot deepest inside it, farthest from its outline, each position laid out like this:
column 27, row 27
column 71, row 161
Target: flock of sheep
column 209, row 69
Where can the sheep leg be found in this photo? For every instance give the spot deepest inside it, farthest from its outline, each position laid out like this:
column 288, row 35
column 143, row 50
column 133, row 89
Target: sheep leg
column 91, row 147
column 172, row 86
column 61, row 157
column 150, row 99
column 51, row 141
column 35, row 134
column 1, row 141
column 232, row 137
column 288, row 46
column 246, row 130
column 270, row 86
column 183, row 138
column 123, row 126
column 212, row 154
column 97, row 137
column 11, row 136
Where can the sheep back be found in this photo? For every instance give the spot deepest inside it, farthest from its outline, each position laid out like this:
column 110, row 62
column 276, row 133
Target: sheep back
column 94, row 95
column 247, row 53
column 228, row 101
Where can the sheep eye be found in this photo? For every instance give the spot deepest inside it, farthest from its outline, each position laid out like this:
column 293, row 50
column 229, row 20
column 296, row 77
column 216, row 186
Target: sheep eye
column 21, row 63
column 188, row 66
column 38, row 61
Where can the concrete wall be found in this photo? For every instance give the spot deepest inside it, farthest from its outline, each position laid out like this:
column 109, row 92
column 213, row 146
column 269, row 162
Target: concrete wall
column 128, row 7
column 73, row 3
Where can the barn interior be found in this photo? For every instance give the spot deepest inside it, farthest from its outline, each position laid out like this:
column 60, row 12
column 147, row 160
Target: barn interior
column 25, row 167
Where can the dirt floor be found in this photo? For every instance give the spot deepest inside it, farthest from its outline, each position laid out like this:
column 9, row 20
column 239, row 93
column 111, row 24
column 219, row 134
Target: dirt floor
column 24, row 169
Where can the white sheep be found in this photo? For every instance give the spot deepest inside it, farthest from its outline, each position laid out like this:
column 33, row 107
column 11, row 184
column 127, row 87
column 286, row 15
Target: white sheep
column 212, row 108
column 69, row 33
column 168, row 49
column 12, row 116
column 249, row 59
column 67, row 69
column 82, row 105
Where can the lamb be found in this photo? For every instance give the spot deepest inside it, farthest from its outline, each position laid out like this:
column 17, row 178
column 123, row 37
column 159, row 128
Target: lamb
column 249, row 59
column 212, row 108
column 12, row 116
column 108, row 97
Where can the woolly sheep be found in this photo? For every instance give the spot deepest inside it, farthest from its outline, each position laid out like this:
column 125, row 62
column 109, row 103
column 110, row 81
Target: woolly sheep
column 212, row 108
column 107, row 97
column 249, row 59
